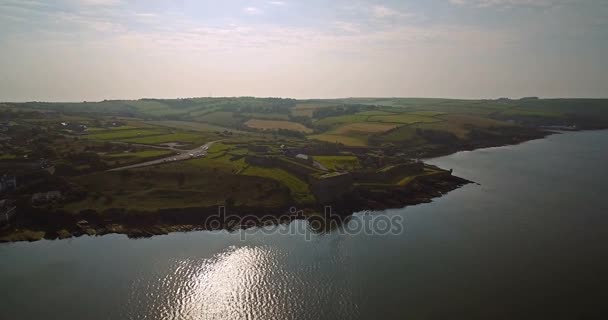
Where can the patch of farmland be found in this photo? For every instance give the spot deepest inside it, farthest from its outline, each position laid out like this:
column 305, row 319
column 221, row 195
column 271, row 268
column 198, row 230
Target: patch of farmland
column 222, row 118
column 173, row 137
column 403, row 134
column 428, row 113
column 332, row 121
column 277, row 124
column 461, row 124
column 363, row 127
column 338, row 162
column 141, row 154
column 190, row 125
column 351, row 141
column 375, row 113
column 299, row 189
column 124, row 134
column 307, row 109
column 267, row 116
column 404, row 118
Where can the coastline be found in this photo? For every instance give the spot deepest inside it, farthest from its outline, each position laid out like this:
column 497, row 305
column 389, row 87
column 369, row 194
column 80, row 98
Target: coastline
column 65, row 225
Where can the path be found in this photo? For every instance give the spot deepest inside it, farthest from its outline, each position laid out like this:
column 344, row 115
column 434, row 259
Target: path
column 184, row 155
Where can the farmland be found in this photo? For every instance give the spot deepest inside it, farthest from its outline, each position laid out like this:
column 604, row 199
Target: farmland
column 124, row 134
column 189, row 138
column 275, row 125
column 405, row 118
column 339, row 162
column 267, row 153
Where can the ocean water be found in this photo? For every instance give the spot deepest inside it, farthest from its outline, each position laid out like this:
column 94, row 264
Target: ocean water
column 529, row 240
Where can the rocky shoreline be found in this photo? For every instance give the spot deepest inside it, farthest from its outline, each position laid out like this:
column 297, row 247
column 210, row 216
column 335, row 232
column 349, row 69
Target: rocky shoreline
column 37, row 225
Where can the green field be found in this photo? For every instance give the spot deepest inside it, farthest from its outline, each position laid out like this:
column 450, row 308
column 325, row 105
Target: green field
column 267, row 116
column 352, row 141
column 336, row 163
column 141, row 154
column 189, row 125
column 189, row 138
column 277, row 124
column 299, row 189
column 332, row 121
column 124, row 134
column 404, row 118
column 101, row 130
column 223, row 119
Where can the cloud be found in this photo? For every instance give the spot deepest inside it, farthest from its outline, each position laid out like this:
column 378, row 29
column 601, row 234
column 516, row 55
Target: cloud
column 346, row 26
column 384, row 12
column 252, row 10
column 277, row 3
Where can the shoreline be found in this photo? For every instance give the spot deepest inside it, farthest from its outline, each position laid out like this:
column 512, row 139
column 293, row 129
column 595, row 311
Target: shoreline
column 148, row 224
column 165, row 221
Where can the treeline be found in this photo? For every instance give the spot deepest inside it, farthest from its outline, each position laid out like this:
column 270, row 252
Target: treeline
column 240, row 105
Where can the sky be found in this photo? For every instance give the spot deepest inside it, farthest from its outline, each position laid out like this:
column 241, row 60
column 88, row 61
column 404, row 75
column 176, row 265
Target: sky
column 75, row 50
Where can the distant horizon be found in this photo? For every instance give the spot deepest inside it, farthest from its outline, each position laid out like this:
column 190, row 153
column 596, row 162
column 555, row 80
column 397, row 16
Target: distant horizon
column 303, row 99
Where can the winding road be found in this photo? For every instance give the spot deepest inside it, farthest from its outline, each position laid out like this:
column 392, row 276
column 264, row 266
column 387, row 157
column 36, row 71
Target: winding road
column 182, row 156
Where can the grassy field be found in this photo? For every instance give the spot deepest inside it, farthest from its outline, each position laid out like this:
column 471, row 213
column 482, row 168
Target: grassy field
column 460, row 125
column 141, row 154
column 125, row 134
column 276, row 124
column 189, row 138
column 404, row 118
column 404, row 134
column 7, row 156
column 338, row 162
column 220, row 162
column 352, row 141
column 101, row 130
column 333, row 121
column 307, row 109
column 267, row 116
column 222, row 119
column 353, row 134
column 375, row 113
column 363, row 127
column 299, row 189
column 189, row 125
column 178, row 185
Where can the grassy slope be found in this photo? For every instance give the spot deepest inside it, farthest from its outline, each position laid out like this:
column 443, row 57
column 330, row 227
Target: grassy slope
column 338, row 162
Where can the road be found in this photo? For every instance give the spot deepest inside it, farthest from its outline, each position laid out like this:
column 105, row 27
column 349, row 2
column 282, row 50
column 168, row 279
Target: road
column 182, row 156
column 150, row 146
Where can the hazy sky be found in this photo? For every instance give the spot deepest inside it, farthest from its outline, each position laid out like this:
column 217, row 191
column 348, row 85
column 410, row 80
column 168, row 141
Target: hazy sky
column 72, row 50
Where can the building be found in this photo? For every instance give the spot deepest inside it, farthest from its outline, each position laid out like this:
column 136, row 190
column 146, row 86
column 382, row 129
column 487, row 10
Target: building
column 7, row 211
column 7, row 183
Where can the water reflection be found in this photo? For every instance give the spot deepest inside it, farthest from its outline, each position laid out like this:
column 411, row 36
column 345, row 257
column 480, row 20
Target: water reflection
column 235, row 284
